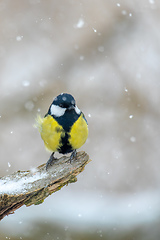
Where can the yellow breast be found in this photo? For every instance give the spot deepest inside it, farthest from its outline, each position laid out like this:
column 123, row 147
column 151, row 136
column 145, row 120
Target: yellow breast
column 78, row 133
column 51, row 132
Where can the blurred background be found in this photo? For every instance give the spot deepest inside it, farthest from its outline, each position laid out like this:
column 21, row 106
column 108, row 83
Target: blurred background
column 107, row 55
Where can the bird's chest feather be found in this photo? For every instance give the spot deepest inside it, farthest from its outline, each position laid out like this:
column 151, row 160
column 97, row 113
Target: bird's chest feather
column 78, row 132
column 65, row 133
column 51, row 133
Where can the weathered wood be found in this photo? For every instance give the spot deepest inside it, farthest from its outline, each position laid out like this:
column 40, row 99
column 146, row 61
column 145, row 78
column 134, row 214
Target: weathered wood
column 32, row 187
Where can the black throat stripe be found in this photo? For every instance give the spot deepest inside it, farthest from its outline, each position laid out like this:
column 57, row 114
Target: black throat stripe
column 65, row 146
column 67, row 120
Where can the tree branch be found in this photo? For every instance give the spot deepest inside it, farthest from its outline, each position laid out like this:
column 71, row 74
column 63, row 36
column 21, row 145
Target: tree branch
column 33, row 186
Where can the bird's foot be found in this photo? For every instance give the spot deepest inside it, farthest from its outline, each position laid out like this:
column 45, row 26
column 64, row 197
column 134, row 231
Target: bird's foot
column 73, row 155
column 50, row 162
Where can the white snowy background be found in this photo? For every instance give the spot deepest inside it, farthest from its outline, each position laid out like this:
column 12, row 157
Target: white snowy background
column 107, row 55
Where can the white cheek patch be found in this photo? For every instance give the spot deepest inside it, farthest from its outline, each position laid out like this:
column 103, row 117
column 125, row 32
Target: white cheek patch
column 57, row 111
column 78, row 111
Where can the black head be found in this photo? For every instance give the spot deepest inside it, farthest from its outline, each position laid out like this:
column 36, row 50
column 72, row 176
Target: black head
column 64, row 100
column 63, row 103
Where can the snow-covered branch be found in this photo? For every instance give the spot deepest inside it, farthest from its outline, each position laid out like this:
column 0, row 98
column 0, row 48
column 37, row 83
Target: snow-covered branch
column 33, row 186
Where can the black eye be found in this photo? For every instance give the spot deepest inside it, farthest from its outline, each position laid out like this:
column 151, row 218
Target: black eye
column 61, row 105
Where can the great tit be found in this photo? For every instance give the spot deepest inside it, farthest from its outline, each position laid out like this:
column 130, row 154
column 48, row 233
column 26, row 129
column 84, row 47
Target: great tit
column 64, row 128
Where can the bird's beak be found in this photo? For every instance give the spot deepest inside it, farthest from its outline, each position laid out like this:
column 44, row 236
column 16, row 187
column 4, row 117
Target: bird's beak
column 71, row 108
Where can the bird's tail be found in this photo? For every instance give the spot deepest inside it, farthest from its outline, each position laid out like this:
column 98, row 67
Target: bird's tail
column 38, row 123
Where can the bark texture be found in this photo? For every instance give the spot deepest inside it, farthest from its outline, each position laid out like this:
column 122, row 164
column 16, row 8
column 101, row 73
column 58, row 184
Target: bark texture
column 32, row 187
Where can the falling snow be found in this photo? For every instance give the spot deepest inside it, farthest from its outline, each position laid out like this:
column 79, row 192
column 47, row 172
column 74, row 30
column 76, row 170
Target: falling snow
column 94, row 30
column 124, row 12
column 29, row 105
column 80, row 23
column 26, row 83
column 130, row 116
column 133, row 139
column 114, row 75
column 19, row 38
column 9, row 165
column 151, row 1
column 101, row 48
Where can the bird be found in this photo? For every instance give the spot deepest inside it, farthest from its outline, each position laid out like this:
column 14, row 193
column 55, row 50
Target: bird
column 64, row 128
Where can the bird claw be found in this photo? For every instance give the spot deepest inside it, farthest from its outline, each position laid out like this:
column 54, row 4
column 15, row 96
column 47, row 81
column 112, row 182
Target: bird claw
column 73, row 155
column 50, row 162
